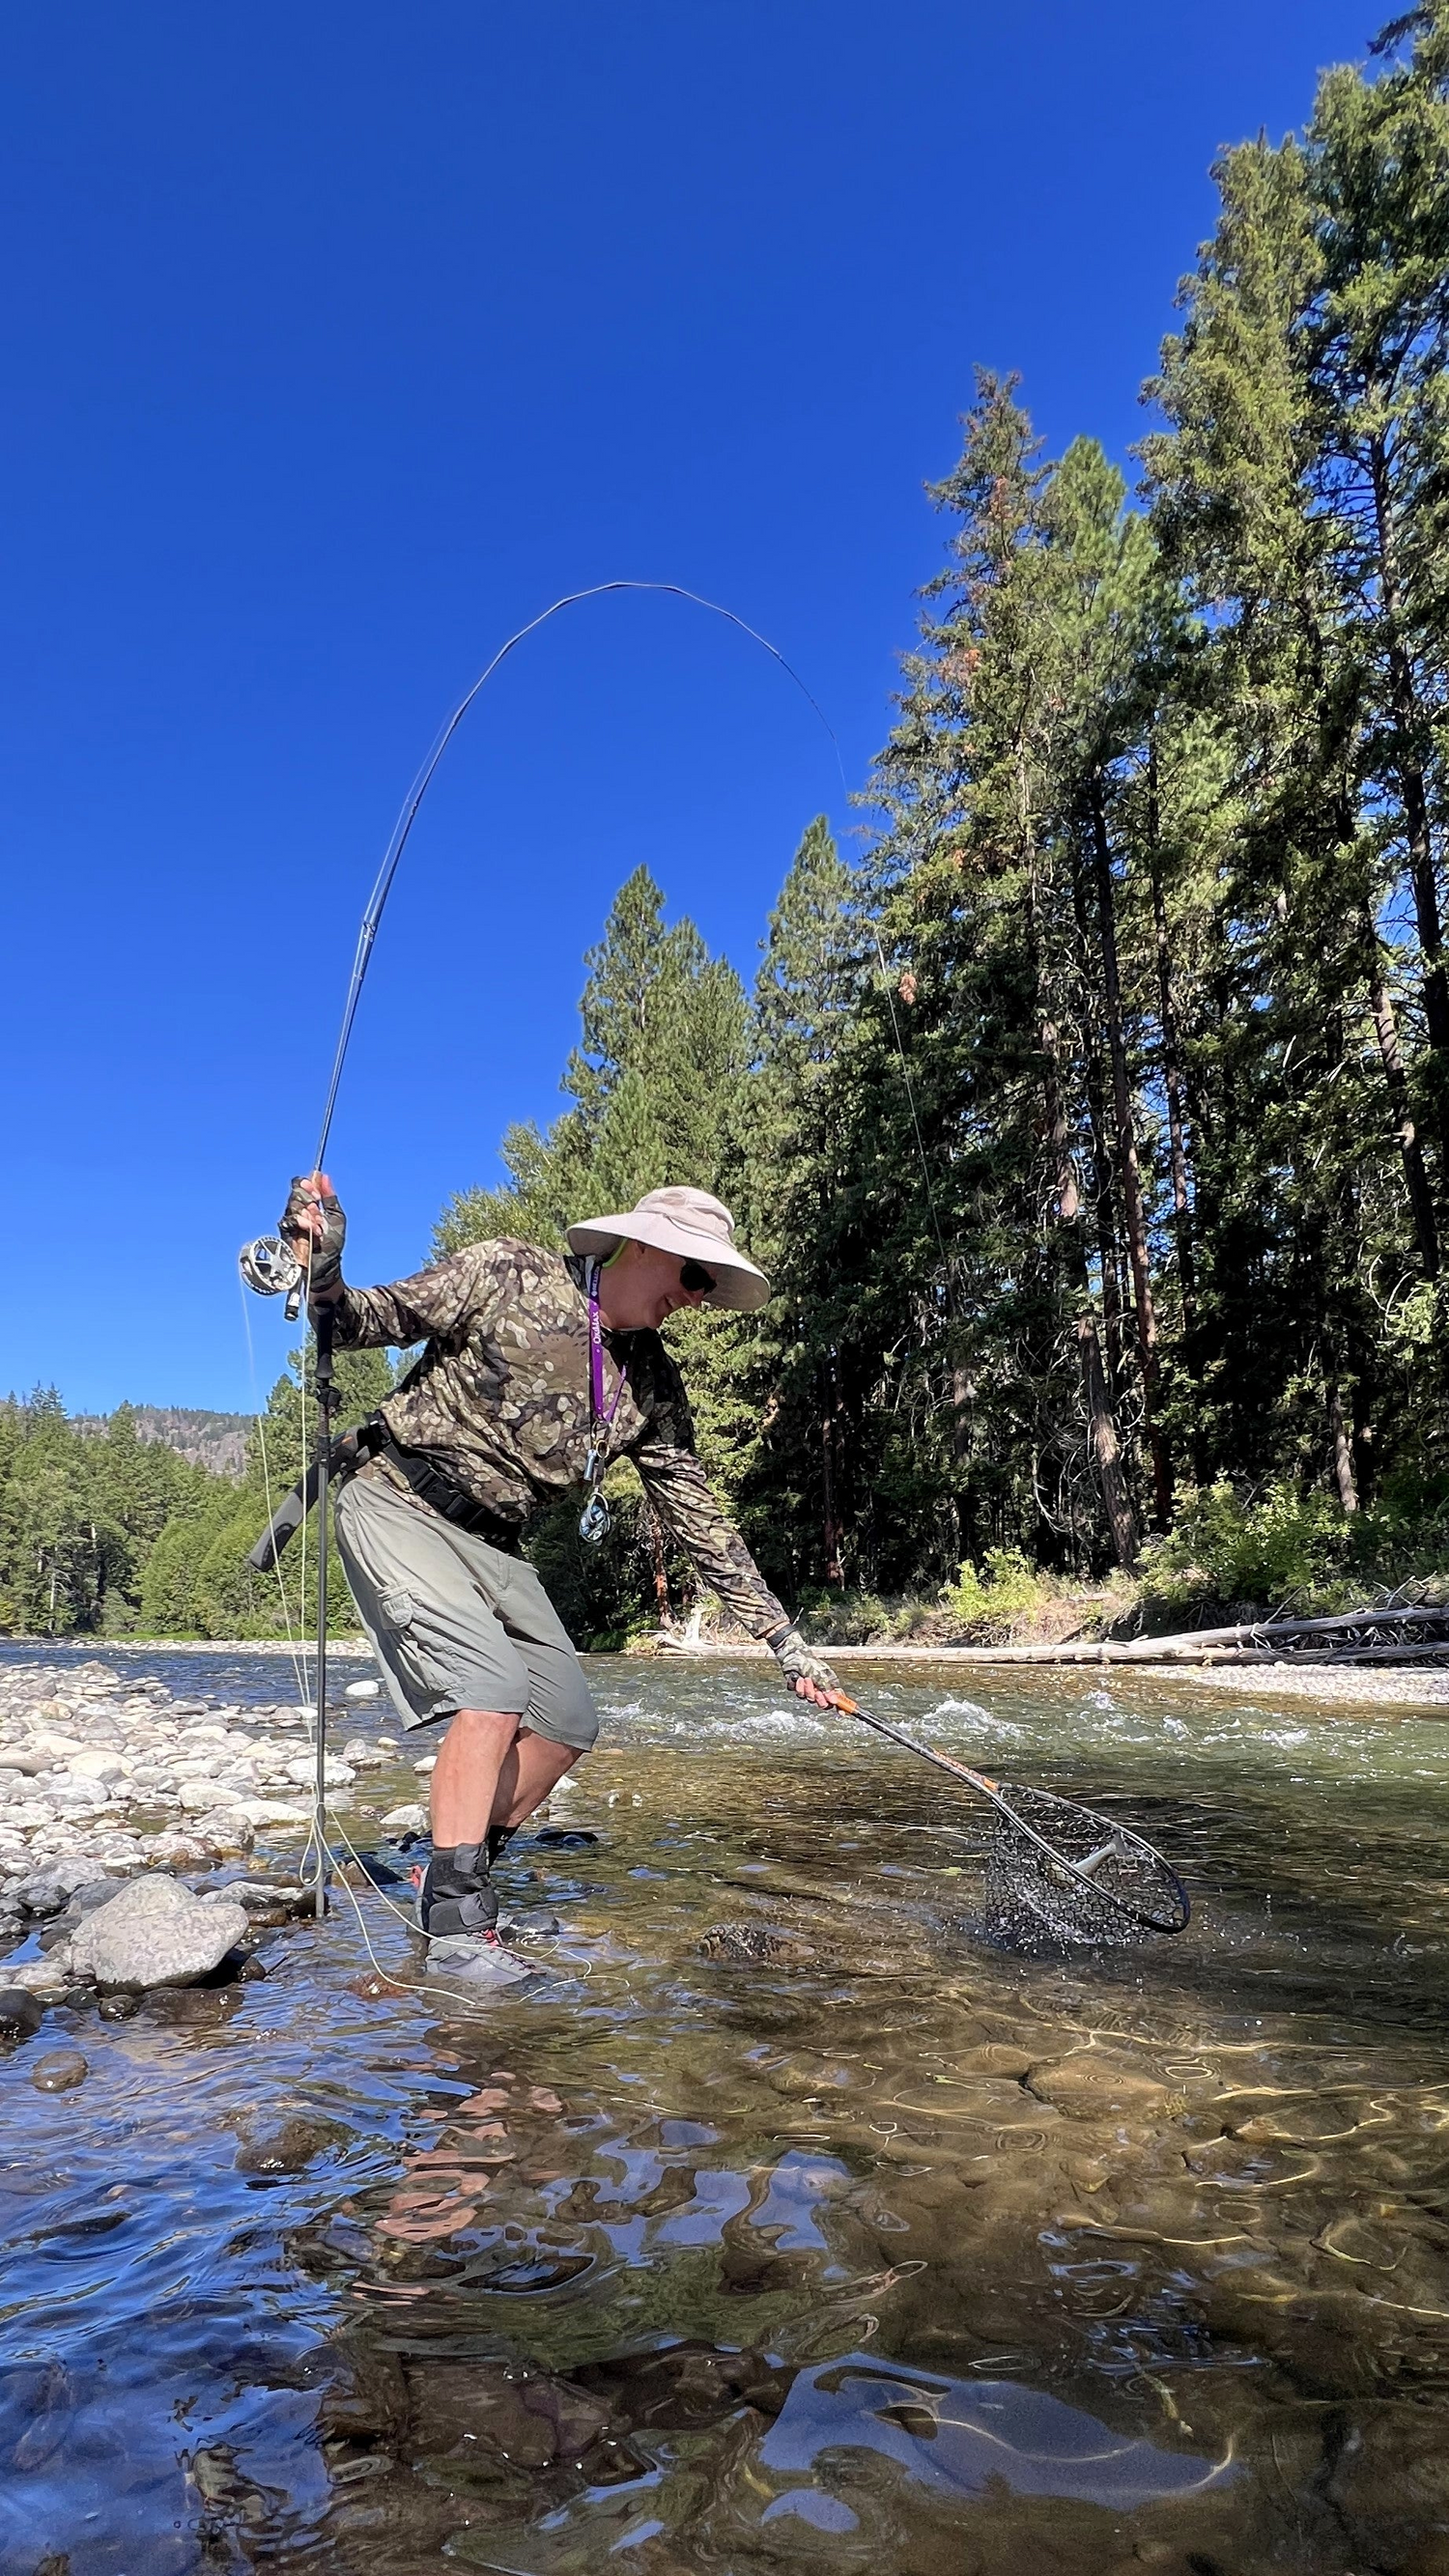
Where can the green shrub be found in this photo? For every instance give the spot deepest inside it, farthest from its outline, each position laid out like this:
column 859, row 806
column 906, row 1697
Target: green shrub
column 1222, row 1549
column 988, row 1605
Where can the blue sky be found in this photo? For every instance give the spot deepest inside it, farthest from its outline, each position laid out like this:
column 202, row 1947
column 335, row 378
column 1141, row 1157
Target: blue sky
column 338, row 342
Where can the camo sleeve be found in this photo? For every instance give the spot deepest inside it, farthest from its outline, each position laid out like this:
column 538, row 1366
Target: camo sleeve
column 437, row 1304
column 679, row 1490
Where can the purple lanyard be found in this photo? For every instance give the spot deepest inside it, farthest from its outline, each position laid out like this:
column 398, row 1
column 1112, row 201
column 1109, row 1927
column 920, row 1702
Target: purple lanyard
column 600, row 1421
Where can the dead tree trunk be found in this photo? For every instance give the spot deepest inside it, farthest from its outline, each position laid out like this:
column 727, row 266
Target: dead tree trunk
column 831, row 1515
column 1132, row 1203
column 1174, row 1079
column 1103, row 1196
column 1386, row 1029
column 1343, row 1475
column 1106, row 1447
column 1413, row 793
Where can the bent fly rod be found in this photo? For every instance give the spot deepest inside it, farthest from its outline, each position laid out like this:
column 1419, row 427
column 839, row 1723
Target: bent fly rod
column 268, row 1264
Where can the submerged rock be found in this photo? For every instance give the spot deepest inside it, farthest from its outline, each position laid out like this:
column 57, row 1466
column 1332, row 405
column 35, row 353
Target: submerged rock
column 154, row 1934
column 59, row 2071
column 20, row 2013
column 759, row 1942
column 289, row 2145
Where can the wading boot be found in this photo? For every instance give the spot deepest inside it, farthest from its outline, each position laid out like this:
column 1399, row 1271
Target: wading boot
column 531, row 1925
column 458, row 1912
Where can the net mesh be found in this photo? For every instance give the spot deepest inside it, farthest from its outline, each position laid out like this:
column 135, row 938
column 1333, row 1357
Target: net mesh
column 1056, row 1868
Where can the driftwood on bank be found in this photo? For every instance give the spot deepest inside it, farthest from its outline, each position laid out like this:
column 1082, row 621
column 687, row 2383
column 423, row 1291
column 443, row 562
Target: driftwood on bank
column 1417, row 1634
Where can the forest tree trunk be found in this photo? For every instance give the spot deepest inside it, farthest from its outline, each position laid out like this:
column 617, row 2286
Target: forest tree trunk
column 1132, row 1205
column 1413, row 792
column 1174, row 1081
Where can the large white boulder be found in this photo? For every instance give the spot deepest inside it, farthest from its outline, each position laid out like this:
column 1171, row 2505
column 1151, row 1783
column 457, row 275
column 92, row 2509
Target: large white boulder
column 70, row 1797
column 156, row 1933
column 96, row 1764
column 304, row 1771
column 198, row 1797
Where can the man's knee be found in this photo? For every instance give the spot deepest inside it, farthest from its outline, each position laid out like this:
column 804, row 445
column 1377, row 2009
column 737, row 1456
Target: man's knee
column 482, row 1729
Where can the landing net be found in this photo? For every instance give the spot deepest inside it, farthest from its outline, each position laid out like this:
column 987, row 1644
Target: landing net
column 1074, row 1875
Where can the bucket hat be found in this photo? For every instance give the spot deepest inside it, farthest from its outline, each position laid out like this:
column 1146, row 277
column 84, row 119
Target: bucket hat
column 695, row 1227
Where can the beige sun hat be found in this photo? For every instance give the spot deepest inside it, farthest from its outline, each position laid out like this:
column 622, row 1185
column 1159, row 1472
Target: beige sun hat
column 691, row 1224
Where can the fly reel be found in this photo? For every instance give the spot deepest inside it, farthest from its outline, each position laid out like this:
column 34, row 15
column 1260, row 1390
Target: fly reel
column 270, row 1267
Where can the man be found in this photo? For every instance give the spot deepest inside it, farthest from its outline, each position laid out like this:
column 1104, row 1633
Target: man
column 538, row 1369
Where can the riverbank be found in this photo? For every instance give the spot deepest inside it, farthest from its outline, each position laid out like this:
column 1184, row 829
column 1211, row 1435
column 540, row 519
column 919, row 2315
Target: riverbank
column 106, row 1769
column 1332, row 1685
column 1381, row 1686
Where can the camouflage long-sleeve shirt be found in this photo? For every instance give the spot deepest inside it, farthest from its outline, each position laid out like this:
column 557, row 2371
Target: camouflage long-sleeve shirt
column 499, row 1400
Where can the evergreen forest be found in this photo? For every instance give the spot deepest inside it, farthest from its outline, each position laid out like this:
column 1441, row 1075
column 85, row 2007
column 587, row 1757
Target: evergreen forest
column 1090, row 1109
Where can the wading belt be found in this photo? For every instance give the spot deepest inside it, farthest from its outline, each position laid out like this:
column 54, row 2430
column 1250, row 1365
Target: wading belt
column 372, row 1439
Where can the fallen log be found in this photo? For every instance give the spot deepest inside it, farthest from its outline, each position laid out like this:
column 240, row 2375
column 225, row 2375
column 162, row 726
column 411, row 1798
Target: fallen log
column 1178, row 1650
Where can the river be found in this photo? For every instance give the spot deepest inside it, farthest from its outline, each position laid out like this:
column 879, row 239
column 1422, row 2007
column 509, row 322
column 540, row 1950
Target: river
column 889, row 2248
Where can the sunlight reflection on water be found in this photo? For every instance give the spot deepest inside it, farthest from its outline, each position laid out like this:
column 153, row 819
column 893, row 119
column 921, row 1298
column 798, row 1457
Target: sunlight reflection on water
column 850, row 2232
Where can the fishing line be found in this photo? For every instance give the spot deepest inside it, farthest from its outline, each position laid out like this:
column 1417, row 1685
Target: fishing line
column 269, row 1267
column 382, row 888
column 298, row 1667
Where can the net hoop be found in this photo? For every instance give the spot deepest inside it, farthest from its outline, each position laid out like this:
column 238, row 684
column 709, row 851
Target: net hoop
column 1176, row 1911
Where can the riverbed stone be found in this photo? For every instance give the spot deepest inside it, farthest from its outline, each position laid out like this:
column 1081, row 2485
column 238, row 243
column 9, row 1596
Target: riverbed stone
column 173, row 1851
column 59, row 2070
column 1091, row 2085
column 53, row 1887
column 36, row 1976
column 21, row 2013
column 155, row 1934
column 262, row 1812
column 226, row 1829
column 337, row 1774
column 97, row 1764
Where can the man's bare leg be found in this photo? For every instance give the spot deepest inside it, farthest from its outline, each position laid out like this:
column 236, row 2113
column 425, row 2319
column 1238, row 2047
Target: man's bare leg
column 465, row 1780
column 532, row 1766
column 492, row 1770
column 490, row 1774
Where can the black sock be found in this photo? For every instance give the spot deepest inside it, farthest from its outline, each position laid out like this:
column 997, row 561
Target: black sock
column 499, row 1838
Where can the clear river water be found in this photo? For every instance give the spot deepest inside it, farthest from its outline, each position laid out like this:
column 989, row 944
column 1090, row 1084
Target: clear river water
column 794, row 2221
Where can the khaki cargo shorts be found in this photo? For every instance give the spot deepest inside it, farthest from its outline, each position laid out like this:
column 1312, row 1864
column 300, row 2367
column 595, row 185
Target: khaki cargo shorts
column 455, row 1623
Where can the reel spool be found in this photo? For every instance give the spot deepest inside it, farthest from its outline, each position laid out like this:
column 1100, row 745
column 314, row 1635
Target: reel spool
column 271, row 1269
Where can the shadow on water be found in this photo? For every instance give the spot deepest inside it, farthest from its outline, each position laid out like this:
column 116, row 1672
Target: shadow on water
column 793, row 2220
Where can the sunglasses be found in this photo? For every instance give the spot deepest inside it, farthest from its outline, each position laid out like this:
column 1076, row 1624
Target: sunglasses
column 695, row 1280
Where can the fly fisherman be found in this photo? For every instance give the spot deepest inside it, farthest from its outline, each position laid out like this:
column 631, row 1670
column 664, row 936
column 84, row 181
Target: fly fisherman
column 539, row 1368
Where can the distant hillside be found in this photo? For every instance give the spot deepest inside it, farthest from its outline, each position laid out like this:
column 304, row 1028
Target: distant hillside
column 216, row 1441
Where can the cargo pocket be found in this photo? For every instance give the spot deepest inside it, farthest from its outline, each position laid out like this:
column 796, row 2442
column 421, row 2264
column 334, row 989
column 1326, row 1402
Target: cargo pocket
column 400, row 1651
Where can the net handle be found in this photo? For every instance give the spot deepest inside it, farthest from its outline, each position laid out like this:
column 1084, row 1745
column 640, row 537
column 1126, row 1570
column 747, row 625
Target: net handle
column 991, row 1789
